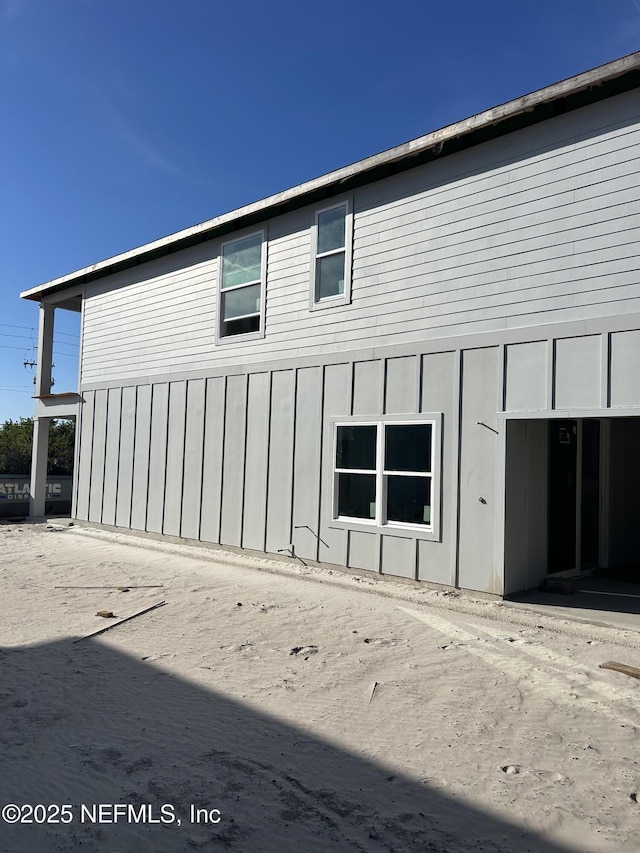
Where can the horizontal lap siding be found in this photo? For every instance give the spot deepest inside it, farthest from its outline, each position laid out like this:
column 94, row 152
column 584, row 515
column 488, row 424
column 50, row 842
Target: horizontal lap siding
column 535, row 227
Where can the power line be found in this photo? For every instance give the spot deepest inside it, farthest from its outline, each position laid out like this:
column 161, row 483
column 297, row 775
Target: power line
column 5, row 346
column 34, row 330
column 28, row 338
column 56, row 353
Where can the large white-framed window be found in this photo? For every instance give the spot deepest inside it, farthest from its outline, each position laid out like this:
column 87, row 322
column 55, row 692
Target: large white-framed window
column 241, row 286
column 386, row 473
column 331, row 245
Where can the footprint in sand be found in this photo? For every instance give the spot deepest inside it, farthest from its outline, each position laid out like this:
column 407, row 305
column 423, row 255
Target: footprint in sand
column 542, row 775
column 304, row 651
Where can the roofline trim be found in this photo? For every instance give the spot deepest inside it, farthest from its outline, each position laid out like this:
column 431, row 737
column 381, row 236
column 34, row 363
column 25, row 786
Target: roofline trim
column 207, row 230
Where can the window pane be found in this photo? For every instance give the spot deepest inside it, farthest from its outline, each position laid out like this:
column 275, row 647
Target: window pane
column 330, row 276
column 356, row 447
column 241, row 261
column 357, row 495
column 241, row 327
column 409, row 499
column 407, row 447
column 331, row 229
column 237, row 303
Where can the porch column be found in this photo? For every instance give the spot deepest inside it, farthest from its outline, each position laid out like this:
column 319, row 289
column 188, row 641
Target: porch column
column 38, row 490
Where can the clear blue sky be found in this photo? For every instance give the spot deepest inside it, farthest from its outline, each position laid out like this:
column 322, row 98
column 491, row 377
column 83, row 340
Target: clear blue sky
column 127, row 120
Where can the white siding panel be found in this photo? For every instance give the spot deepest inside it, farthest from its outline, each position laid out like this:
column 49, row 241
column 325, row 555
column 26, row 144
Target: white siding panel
column 364, row 551
column 625, row 369
column 193, row 461
column 398, row 556
column 280, row 484
column 157, row 456
column 535, row 227
column 125, row 466
column 212, row 461
column 112, row 453
column 526, row 376
column 85, row 456
column 255, row 484
column 175, row 458
column 98, row 455
column 233, row 457
column 141, row 459
column 480, row 392
column 306, row 510
column 577, row 372
column 336, row 403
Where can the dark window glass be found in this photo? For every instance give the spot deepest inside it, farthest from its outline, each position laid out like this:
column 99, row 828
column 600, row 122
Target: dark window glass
column 409, row 499
column 241, row 327
column 330, row 276
column 356, row 447
column 357, row 495
column 407, row 447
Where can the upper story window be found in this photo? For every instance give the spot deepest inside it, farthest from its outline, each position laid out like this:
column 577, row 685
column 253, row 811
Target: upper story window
column 331, row 257
column 241, row 286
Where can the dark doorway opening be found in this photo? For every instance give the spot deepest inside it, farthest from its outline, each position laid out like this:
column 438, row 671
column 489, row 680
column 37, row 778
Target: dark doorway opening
column 574, row 495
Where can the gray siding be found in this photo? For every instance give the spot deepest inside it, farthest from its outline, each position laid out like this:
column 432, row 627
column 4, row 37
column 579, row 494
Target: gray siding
column 212, row 462
column 526, row 504
column 489, row 288
column 233, row 458
column 176, row 434
column 140, row 486
column 125, row 457
column 193, row 459
column 246, row 460
column 306, row 468
column 477, row 567
column 256, row 462
column 534, row 228
column 280, row 483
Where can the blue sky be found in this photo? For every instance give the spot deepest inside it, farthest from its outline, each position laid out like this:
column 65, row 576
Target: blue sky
column 123, row 122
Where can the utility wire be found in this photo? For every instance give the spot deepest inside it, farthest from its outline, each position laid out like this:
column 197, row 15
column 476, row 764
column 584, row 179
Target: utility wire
column 28, row 338
column 33, row 330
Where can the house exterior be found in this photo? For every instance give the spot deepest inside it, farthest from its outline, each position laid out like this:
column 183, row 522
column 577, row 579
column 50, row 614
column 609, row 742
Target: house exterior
column 425, row 364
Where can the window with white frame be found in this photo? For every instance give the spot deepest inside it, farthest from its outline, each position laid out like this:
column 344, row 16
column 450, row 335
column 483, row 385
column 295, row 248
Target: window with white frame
column 241, row 286
column 385, row 473
column 331, row 262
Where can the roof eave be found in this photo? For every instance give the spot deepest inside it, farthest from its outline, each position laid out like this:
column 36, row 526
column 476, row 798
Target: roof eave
column 495, row 121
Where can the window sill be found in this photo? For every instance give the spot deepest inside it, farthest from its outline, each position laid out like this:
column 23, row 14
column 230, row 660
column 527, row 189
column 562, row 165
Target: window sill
column 241, row 338
column 330, row 302
column 404, row 531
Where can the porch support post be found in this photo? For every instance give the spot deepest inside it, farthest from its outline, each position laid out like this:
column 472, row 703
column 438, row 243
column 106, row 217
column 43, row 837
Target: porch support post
column 45, row 350
column 40, row 451
column 38, row 490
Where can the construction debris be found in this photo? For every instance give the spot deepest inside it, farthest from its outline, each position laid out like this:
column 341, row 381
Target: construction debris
column 122, row 621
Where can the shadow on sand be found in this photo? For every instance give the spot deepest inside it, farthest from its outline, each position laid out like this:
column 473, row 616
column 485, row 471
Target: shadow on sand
column 83, row 723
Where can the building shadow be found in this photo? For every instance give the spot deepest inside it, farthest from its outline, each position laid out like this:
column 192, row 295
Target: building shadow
column 82, row 723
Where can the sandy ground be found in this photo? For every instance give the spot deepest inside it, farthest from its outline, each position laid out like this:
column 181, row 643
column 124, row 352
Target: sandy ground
column 298, row 710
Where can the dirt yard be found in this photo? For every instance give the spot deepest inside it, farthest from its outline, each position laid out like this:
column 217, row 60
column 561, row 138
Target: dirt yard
column 273, row 708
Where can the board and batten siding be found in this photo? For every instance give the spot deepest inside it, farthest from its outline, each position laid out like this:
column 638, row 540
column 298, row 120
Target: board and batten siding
column 537, row 227
column 253, row 468
column 245, row 460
